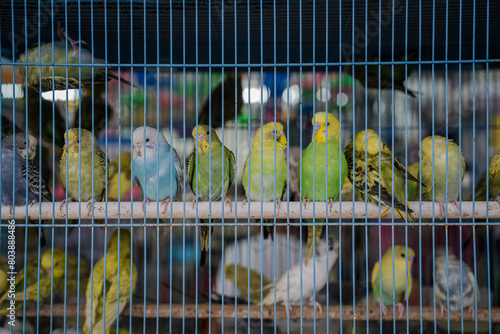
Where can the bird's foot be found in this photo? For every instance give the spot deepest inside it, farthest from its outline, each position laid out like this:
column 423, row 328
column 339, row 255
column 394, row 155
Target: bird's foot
column 33, row 203
column 442, row 209
column 400, row 309
column 11, row 208
column 472, row 312
column 278, row 204
column 316, row 305
column 443, row 310
column 165, row 204
column 63, row 35
column 194, row 203
column 384, row 309
column 228, row 202
column 330, row 204
column 89, row 206
column 456, row 205
column 288, row 309
column 304, row 202
column 498, row 199
column 64, row 202
column 244, row 202
column 147, row 202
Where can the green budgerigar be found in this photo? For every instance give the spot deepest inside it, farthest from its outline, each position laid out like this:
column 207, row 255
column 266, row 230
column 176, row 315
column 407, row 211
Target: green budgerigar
column 118, row 287
column 76, row 142
column 444, row 183
column 204, row 174
column 242, row 285
column 389, row 270
column 493, row 181
column 260, row 163
column 322, row 161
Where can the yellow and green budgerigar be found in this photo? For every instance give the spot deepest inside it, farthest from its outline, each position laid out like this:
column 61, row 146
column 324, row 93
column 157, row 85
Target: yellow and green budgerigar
column 76, row 143
column 398, row 270
column 118, row 274
column 413, row 187
column 242, row 285
column 119, row 183
column 322, row 161
column 4, row 269
column 205, row 174
column 444, row 183
column 260, row 163
column 366, row 164
column 493, row 180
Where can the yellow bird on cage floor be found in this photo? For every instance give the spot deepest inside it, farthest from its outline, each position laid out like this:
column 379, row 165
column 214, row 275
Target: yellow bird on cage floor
column 119, row 183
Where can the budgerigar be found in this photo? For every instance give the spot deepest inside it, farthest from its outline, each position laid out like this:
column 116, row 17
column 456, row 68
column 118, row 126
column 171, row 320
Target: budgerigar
column 24, row 174
column 322, row 160
column 290, row 285
column 118, row 274
column 242, row 284
column 442, row 182
column 448, row 282
column 367, row 154
column 156, row 166
column 260, row 162
column 398, row 269
column 413, row 187
column 119, row 177
column 387, row 74
column 4, row 269
column 88, row 161
column 75, row 77
column 493, row 181
column 210, row 180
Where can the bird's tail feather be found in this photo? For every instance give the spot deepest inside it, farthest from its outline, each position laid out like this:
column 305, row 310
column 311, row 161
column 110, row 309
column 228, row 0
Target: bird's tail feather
column 205, row 240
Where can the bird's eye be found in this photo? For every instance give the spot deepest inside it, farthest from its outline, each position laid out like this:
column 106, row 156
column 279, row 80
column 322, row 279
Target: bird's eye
column 327, row 123
column 402, row 254
column 33, row 147
column 147, row 139
column 78, row 141
column 208, row 132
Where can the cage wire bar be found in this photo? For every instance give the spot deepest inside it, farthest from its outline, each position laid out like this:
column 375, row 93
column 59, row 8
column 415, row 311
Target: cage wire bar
column 225, row 208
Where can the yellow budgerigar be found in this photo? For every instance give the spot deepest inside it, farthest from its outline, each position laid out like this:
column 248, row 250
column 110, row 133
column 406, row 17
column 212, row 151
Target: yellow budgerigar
column 493, row 181
column 446, row 180
column 119, row 183
column 120, row 274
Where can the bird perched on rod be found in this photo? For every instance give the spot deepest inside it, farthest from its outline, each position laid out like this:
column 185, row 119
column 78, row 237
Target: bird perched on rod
column 116, row 273
column 260, row 163
column 366, row 164
column 451, row 281
column 387, row 269
column 89, row 75
column 242, row 285
column 493, row 180
column 322, row 161
column 289, row 285
column 156, row 166
column 206, row 176
column 120, row 177
column 444, row 179
column 386, row 74
column 25, row 173
column 81, row 151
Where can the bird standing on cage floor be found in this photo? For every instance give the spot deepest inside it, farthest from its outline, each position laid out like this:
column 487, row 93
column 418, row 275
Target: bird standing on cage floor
column 24, row 174
column 82, row 152
column 55, row 77
column 156, row 167
column 445, row 180
column 302, row 274
column 366, row 162
column 448, row 281
column 260, row 163
column 389, row 269
column 319, row 165
column 205, row 175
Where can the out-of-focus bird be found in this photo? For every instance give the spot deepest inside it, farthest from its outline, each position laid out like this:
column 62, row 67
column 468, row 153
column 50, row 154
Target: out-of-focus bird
column 413, row 187
column 448, row 281
column 156, row 166
column 260, row 163
column 242, row 285
column 230, row 89
column 42, row 80
column 14, row 165
column 388, row 270
column 493, row 181
column 289, row 285
column 205, row 174
column 366, row 164
column 322, row 161
column 4, row 269
column 387, row 74
column 93, row 100
column 119, row 183
column 116, row 273
column 445, row 180
column 81, row 151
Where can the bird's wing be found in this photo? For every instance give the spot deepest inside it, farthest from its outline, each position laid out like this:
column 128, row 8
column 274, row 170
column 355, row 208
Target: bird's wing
column 232, row 167
column 191, row 164
column 33, row 180
column 375, row 273
column 178, row 169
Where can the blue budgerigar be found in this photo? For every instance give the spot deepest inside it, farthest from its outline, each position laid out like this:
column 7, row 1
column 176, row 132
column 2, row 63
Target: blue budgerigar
column 156, row 166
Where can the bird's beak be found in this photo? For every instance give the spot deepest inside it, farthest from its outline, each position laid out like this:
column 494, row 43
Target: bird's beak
column 317, row 126
column 410, row 259
column 68, row 145
column 200, row 138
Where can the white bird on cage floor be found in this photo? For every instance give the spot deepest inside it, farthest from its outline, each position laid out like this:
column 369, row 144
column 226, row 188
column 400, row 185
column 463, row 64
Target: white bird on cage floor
column 312, row 276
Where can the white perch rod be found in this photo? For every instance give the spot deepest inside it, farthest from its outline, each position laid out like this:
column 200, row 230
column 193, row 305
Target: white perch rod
column 360, row 211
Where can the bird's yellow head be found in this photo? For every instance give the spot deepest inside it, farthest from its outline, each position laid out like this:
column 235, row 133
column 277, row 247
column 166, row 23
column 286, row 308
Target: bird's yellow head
column 57, row 266
column 124, row 241
column 74, row 139
column 369, row 141
column 400, row 257
column 268, row 131
column 427, row 145
column 203, row 133
column 325, row 123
